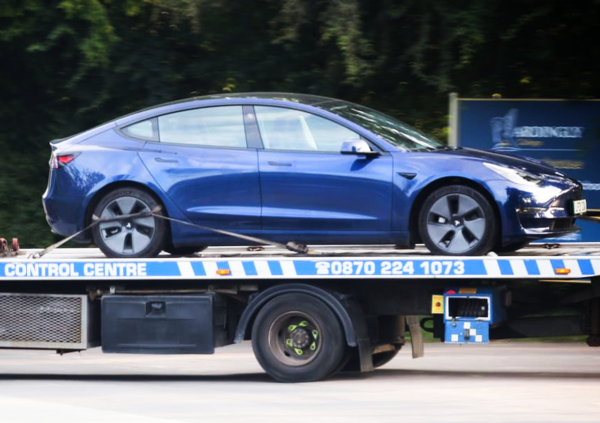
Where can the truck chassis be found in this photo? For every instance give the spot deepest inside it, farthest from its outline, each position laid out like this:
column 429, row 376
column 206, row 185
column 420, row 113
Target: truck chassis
column 308, row 316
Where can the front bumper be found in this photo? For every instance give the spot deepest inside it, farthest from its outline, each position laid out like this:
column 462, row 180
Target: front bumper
column 541, row 211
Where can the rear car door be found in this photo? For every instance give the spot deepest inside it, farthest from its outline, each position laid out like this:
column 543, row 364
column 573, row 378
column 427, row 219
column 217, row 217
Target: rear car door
column 204, row 165
column 308, row 186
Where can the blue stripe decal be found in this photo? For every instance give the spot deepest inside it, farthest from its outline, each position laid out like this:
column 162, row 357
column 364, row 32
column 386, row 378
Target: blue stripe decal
column 305, row 268
column 474, row 267
column 275, row 268
column 249, row 268
column 223, row 265
column 532, row 267
column 586, row 267
column 505, row 267
column 557, row 264
column 198, row 269
column 162, row 269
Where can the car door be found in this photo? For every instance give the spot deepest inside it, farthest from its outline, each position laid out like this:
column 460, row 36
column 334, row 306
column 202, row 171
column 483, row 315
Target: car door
column 204, row 165
column 308, row 185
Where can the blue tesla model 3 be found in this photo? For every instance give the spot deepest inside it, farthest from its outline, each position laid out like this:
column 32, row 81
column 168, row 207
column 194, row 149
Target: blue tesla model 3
column 294, row 167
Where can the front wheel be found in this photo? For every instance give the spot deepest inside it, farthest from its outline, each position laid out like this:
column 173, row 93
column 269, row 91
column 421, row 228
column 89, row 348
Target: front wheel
column 297, row 338
column 129, row 237
column 457, row 220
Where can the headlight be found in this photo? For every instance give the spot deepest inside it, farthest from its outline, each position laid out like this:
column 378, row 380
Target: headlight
column 517, row 176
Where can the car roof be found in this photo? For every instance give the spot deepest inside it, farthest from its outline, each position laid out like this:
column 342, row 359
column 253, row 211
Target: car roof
column 308, row 99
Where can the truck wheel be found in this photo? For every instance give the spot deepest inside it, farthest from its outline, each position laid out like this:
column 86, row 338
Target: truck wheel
column 129, row 238
column 457, row 220
column 297, row 338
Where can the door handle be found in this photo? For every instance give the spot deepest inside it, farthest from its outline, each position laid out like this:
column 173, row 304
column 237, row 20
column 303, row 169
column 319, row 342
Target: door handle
column 279, row 164
column 161, row 160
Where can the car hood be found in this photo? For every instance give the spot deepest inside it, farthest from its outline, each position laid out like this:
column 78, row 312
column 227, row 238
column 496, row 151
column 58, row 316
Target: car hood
column 525, row 163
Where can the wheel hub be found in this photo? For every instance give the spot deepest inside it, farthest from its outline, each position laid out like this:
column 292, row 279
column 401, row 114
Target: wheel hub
column 300, row 338
column 295, row 339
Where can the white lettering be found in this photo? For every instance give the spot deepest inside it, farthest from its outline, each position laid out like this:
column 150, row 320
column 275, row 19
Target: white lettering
column 9, row 269
column 110, row 269
column 548, row 131
column 88, row 269
column 131, row 268
column 32, row 269
column 141, row 269
column 63, row 269
column 53, row 270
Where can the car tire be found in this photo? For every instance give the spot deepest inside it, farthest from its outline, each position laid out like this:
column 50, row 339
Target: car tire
column 131, row 238
column 283, row 336
column 183, row 251
column 457, row 220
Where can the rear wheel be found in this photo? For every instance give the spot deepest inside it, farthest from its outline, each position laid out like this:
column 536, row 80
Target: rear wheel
column 130, row 237
column 457, row 220
column 297, row 338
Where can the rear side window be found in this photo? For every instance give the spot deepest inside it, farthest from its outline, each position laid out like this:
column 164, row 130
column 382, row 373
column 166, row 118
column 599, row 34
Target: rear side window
column 211, row 126
column 288, row 129
column 145, row 130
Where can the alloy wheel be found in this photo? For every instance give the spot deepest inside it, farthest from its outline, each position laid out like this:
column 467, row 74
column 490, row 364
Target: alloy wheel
column 456, row 223
column 131, row 235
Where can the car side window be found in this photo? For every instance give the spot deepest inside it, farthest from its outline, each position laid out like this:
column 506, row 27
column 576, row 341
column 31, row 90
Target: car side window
column 145, row 130
column 288, row 129
column 221, row 126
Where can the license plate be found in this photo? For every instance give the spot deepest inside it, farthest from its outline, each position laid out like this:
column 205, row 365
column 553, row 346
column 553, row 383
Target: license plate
column 579, row 206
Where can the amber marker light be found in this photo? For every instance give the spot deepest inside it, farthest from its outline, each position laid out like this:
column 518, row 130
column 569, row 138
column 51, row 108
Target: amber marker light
column 223, row 272
column 562, row 271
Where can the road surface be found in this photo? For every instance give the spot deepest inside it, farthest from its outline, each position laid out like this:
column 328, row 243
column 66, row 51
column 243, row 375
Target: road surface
column 502, row 382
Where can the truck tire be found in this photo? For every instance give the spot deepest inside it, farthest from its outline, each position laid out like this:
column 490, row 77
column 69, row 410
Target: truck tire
column 457, row 220
column 130, row 238
column 297, row 338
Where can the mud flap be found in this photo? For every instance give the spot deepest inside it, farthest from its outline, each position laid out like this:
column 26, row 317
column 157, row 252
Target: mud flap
column 416, row 337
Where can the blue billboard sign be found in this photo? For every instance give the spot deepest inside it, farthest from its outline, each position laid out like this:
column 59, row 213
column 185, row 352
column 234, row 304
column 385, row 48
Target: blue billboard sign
column 561, row 133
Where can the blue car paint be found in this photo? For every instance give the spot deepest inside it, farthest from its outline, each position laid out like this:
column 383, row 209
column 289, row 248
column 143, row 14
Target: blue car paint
column 319, row 198
column 216, row 187
column 311, row 191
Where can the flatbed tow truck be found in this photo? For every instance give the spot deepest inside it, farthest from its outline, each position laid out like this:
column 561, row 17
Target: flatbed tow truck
column 309, row 316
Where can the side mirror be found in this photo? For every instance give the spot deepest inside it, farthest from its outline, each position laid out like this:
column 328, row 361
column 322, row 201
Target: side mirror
column 358, row 147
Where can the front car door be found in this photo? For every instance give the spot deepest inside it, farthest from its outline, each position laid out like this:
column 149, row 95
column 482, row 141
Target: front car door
column 312, row 191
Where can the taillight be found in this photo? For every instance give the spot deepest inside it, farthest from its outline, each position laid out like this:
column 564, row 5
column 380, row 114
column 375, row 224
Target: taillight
column 60, row 160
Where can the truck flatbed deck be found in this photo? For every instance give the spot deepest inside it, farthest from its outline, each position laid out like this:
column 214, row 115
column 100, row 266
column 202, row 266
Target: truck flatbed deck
column 565, row 262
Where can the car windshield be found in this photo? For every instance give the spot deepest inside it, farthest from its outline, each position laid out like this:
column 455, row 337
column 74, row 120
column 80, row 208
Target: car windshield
column 387, row 127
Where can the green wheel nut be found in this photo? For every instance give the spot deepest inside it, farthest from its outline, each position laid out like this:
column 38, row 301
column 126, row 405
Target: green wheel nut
column 303, row 323
column 313, row 346
column 315, row 334
column 291, row 328
column 298, row 351
column 289, row 343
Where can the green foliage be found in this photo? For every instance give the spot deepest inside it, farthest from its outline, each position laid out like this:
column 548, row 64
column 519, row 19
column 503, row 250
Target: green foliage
column 68, row 65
